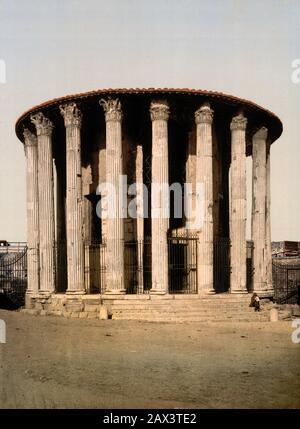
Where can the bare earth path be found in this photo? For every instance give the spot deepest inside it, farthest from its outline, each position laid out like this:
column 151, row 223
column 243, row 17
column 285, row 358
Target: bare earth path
column 52, row 362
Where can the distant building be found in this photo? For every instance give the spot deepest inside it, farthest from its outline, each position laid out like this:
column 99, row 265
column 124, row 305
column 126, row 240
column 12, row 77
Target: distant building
column 285, row 249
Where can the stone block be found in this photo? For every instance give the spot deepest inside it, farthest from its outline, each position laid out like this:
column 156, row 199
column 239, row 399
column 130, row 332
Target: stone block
column 92, row 316
column 103, row 312
column 74, row 315
column 83, row 315
column 74, row 307
column 95, row 301
column 296, row 311
column 91, row 308
column 33, row 311
column 273, row 315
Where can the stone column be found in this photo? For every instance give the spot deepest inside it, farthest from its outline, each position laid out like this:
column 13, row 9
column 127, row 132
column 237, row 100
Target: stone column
column 61, row 246
column 115, row 223
column 259, row 183
column 238, row 205
column 159, row 112
column 270, row 287
column 44, row 129
column 140, row 214
column 204, row 175
column 74, row 206
column 32, row 202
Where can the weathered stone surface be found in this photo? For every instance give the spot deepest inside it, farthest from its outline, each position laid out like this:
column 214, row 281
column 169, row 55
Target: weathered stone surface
column 32, row 203
column 33, row 311
column 92, row 316
column 238, row 192
column 204, row 175
column 96, row 301
column 91, row 308
column 114, row 169
column 259, row 185
column 159, row 112
column 74, row 315
column 74, row 206
column 103, row 312
column 75, row 307
column 83, row 315
column 273, row 315
column 44, row 129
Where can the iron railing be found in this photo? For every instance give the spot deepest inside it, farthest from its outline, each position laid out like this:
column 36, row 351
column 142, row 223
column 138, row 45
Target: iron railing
column 182, row 253
column 13, row 274
column 182, row 267
column 286, row 281
column 221, row 264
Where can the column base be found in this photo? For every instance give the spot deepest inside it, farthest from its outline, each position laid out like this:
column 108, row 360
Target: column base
column 28, row 298
column 155, row 291
column 76, row 292
column 239, row 291
column 207, row 292
column 45, row 293
column 32, row 292
column 115, row 292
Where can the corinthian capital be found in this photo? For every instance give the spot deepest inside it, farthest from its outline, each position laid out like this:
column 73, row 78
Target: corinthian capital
column 159, row 110
column 71, row 114
column 238, row 122
column 261, row 134
column 112, row 109
column 204, row 115
column 29, row 138
column 42, row 124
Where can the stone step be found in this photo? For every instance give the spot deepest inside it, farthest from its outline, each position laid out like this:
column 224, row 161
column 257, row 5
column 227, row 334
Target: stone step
column 164, row 301
column 185, row 309
column 184, row 305
column 187, row 315
column 176, row 318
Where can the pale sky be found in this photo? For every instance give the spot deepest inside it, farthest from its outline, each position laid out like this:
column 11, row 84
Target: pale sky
column 57, row 47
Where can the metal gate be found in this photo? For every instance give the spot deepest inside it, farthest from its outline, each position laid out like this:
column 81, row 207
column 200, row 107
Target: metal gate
column 221, row 264
column 286, row 281
column 182, row 264
column 13, row 275
column 95, row 267
column 137, row 266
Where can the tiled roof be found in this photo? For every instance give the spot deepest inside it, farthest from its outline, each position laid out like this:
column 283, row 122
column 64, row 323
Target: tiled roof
column 115, row 91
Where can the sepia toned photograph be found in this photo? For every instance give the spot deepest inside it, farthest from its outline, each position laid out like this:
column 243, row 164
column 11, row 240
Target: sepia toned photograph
column 149, row 207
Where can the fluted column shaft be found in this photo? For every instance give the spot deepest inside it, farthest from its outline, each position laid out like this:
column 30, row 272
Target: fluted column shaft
column 259, row 185
column 115, row 223
column 159, row 112
column 74, row 206
column 238, row 194
column 140, row 214
column 32, row 203
column 204, row 175
column 46, row 202
column 268, row 223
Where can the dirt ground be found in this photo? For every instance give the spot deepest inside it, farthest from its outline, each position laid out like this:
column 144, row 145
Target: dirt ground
column 52, row 362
